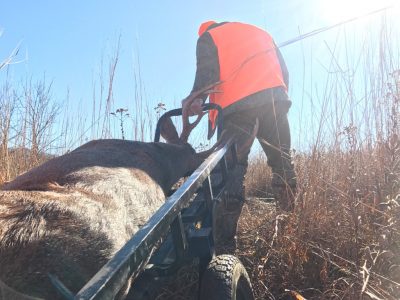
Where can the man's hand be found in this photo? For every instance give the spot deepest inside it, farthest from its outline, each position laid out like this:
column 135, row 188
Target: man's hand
column 195, row 107
column 190, row 107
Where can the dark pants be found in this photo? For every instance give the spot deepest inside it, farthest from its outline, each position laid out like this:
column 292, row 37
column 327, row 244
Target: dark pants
column 274, row 136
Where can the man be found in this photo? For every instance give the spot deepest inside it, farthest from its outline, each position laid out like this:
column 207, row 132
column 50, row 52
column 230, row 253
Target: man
column 253, row 85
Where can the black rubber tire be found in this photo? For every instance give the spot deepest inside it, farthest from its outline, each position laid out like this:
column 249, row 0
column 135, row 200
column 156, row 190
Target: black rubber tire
column 225, row 279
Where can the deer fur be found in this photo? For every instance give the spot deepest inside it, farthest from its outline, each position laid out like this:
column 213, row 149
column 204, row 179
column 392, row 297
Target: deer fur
column 69, row 216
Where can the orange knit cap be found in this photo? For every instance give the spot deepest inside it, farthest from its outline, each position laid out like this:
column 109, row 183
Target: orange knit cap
column 204, row 26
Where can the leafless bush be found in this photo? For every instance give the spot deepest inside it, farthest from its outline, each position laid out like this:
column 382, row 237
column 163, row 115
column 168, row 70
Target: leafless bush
column 26, row 123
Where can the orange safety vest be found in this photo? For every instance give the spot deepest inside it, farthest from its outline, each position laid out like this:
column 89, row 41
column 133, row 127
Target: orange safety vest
column 248, row 63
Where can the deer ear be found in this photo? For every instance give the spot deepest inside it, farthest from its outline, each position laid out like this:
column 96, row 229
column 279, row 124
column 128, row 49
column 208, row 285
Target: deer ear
column 169, row 133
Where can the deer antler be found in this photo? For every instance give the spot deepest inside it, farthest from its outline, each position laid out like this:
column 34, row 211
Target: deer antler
column 194, row 100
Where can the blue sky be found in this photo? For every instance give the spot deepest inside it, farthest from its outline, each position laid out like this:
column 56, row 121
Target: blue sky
column 66, row 40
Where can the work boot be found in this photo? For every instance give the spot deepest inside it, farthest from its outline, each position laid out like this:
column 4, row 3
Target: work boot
column 284, row 188
column 228, row 211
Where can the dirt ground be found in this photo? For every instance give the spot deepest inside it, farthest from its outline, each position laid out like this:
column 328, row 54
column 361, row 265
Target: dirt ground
column 257, row 218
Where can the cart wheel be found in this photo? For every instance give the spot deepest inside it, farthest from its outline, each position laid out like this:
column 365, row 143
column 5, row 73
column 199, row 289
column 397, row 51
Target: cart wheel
column 225, row 279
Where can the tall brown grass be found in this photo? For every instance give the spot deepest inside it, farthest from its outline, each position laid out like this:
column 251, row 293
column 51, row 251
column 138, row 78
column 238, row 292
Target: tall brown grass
column 342, row 242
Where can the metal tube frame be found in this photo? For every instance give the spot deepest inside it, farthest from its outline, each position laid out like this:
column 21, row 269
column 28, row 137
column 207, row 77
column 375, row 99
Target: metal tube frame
column 132, row 258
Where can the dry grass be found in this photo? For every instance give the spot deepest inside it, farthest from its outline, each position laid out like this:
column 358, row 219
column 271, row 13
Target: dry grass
column 342, row 242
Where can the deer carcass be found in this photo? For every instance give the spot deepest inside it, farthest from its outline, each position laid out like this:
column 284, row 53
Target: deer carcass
column 69, row 216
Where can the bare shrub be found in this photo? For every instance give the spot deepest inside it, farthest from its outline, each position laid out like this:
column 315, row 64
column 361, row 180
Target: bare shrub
column 26, row 123
column 258, row 177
